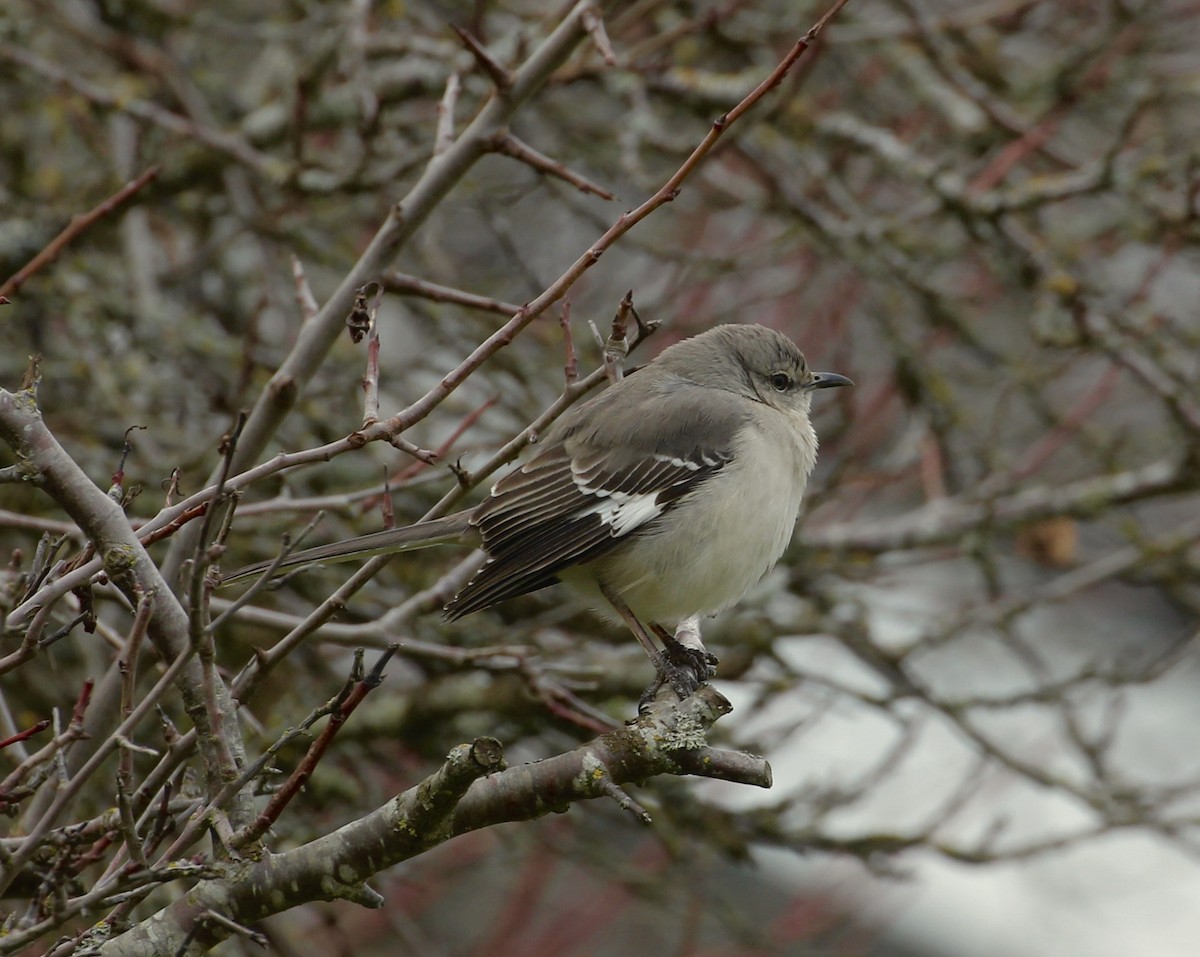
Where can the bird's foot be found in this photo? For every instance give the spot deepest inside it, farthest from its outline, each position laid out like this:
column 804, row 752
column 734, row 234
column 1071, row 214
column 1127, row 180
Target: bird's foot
column 684, row 664
column 690, row 658
column 686, row 650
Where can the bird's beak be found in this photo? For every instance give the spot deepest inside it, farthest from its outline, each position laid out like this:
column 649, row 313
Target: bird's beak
column 828, row 380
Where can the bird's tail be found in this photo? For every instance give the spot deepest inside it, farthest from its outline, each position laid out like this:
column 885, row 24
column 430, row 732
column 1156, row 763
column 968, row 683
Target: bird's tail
column 439, row 531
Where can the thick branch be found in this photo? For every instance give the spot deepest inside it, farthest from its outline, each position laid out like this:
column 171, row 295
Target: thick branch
column 467, row 793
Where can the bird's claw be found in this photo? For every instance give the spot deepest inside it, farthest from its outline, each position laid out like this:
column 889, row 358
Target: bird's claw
column 690, row 657
column 682, row 667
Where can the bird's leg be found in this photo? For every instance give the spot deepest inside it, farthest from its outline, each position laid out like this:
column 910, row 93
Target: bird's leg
column 639, row 630
column 685, row 648
column 679, row 676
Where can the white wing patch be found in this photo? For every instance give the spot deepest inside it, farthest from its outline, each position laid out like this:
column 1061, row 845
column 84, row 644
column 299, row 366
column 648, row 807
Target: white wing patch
column 565, row 508
column 621, row 512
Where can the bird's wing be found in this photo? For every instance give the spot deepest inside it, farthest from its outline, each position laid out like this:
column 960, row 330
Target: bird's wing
column 574, row 502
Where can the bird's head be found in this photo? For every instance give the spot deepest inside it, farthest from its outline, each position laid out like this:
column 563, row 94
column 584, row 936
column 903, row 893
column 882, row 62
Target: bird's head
column 751, row 360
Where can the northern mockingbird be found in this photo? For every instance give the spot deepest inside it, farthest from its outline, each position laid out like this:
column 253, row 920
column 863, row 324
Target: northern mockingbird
column 670, row 495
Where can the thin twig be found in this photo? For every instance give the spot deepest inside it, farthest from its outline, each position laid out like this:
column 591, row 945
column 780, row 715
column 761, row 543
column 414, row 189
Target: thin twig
column 412, row 286
column 137, row 632
column 490, row 65
column 509, row 145
column 594, row 23
column 317, row 750
column 441, row 451
column 78, row 225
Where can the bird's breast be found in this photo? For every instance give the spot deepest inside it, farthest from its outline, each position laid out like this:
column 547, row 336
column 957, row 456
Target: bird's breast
column 720, row 540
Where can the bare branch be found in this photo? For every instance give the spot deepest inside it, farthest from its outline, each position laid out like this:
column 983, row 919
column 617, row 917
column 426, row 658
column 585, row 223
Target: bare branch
column 78, row 225
column 509, row 145
column 490, row 66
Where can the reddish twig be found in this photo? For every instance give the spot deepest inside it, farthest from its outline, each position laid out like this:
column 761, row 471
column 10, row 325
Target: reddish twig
column 78, row 225
column 1013, row 153
column 189, row 514
column 1037, row 138
column 509, row 145
column 280, row 800
column 412, row 286
column 26, row 734
column 9, row 787
column 440, row 452
column 81, row 704
column 1072, row 422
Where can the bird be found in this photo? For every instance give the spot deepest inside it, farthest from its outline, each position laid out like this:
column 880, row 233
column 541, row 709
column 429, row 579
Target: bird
column 666, row 497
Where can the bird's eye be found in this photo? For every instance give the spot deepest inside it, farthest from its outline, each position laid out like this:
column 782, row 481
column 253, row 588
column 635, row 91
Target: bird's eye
column 780, row 381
